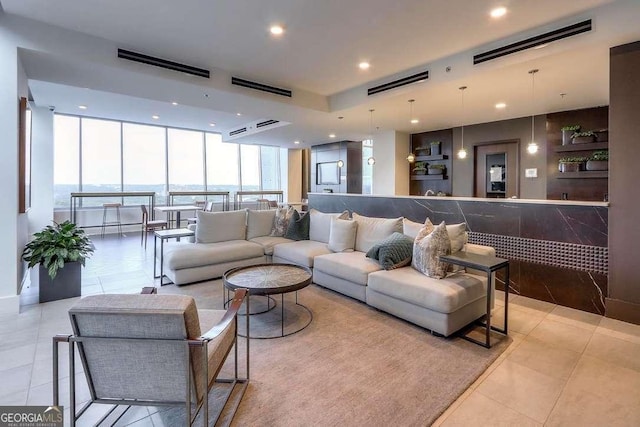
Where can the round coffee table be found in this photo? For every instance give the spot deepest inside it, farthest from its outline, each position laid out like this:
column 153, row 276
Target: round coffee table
column 271, row 279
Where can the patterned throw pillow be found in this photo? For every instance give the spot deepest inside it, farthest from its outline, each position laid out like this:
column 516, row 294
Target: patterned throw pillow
column 298, row 228
column 427, row 249
column 393, row 252
column 281, row 221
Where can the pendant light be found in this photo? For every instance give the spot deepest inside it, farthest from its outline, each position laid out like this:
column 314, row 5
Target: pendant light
column 411, row 157
column 462, row 153
column 371, row 160
column 532, row 147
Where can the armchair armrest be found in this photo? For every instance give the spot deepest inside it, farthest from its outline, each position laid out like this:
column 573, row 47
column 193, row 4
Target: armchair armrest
column 231, row 313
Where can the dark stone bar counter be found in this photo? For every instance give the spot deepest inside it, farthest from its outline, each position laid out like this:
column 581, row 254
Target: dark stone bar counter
column 557, row 248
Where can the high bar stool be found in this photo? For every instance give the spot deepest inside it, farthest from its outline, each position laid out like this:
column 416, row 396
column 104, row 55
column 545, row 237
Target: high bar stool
column 105, row 223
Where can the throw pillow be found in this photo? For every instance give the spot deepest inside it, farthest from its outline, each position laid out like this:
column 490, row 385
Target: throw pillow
column 372, row 230
column 281, row 221
column 457, row 235
column 213, row 227
column 342, row 235
column 298, row 228
column 259, row 223
column 393, row 252
column 411, row 228
column 320, row 223
column 428, row 249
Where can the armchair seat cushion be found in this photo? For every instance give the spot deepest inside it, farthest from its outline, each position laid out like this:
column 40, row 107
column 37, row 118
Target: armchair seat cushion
column 268, row 242
column 179, row 256
column 351, row 266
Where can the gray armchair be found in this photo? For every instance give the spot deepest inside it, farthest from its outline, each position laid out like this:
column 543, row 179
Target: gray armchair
column 150, row 350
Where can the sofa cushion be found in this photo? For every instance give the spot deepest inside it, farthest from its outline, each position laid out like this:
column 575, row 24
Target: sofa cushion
column 268, row 242
column 298, row 228
column 342, row 235
column 444, row 296
column 178, row 256
column 301, row 252
column 427, row 249
column 411, row 228
column 320, row 224
column 213, row 227
column 393, row 252
column 259, row 223
column 372, row 230
column 351, row 266
column 281, row 221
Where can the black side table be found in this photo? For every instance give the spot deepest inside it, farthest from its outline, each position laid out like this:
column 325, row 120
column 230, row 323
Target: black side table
column 172, row 233
column 488, row 264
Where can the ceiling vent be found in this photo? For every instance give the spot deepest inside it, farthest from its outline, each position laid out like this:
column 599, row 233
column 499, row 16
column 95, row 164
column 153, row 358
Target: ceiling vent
column 254, row 127
column 398, row 83
column 238, row 131
column 162, row 63
column 259, row 86
column 266, row 123
column 542, row 39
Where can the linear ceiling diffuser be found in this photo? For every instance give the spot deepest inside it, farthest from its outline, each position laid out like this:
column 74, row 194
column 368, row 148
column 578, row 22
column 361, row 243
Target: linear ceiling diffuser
column 398, row 83
column 542, row 39
column 260, row 86
column 162, row 63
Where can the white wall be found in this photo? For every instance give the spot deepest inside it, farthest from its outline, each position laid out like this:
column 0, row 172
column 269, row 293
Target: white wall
column 391, row 171
column 41, row 212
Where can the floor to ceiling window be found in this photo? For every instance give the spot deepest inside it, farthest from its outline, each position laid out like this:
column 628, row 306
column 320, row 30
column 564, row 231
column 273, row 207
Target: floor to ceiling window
column 95, row 155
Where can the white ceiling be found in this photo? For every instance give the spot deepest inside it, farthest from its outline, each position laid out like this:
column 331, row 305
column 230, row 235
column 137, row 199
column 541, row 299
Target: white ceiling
column 317, row 58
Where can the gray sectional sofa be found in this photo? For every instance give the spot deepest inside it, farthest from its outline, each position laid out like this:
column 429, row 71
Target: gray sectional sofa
column 225, row 240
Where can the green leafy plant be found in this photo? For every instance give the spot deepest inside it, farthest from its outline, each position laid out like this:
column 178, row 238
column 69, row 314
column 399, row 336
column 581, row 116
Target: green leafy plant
column 57, row 244
column 420, row 166
column 574, row 128
column 600, row 155
column 586, row 133
column 436, row 167
column 572, row 160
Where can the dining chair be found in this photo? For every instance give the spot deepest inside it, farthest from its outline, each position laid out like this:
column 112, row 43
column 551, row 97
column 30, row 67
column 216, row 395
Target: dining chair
column 149, row 225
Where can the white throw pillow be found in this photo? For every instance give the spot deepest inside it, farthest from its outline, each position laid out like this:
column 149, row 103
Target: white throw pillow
column 457, row 235
column 342, row 235
column 213, row 227
column 411, row 228
column 428, row 247
column 259, row 223
column 320, row 224
column 372, row 230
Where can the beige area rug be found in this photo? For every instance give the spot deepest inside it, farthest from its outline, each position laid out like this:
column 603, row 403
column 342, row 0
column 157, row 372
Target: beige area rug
column 353, row 365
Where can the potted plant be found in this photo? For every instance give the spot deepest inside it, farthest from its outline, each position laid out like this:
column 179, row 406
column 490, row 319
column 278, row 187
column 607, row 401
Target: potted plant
column 599, row 161
column 571, row 164
column 435, row 169
column 423, row 150
column 435, row 148
column 602, row 135
column 567, row 133
column 420, row 168
column 583, row 137
column 60, row 250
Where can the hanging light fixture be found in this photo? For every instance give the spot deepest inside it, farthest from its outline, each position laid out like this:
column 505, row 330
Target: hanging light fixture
column 411, row 157
column 462, row 153
column 532, row 147
column 371, row 160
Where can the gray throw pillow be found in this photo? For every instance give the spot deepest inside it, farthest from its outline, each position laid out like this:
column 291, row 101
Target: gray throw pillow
column 281, row 221
column 298, row 228
column 393, row 252
column 427, row 250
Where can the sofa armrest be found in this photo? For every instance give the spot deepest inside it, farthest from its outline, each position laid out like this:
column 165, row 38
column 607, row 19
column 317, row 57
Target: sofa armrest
column 192, row 227
column 472, row 248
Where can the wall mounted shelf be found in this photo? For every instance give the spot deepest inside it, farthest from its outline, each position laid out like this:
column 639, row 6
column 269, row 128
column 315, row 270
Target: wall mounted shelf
column 582, row 147
column 583, row 174
column 428, row 177
column 431, row 158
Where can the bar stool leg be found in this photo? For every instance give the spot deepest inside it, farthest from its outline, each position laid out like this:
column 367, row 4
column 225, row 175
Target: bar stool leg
column 104, row 221
column 118, row 220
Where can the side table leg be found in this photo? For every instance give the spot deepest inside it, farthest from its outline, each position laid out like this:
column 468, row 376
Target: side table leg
column 161, row 261
column 506, row 300
column 282, row 312
column 488, row 320
column 155, row 259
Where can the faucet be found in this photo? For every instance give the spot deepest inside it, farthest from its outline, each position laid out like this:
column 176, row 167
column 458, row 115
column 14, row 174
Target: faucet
column 430, row 193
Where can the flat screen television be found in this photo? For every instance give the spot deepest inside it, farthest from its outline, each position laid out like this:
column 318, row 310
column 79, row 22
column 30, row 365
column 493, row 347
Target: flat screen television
column 327, row 173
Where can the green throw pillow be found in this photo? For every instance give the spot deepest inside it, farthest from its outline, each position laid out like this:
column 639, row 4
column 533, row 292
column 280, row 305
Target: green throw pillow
column 298, row 228
column 393, row 252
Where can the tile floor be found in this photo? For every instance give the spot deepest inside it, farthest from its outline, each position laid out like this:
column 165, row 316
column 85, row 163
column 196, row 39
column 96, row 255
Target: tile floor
column 564, row 368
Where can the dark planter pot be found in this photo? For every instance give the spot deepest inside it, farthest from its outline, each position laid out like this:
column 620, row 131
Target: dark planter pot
column 583, row 139
column 566, row 136
column 435, row 149
column 570, row 167
column 420, row 172
column 67, row 283
column 597, row 165
column 435, row 171
column 602, row 135
column 423, row 152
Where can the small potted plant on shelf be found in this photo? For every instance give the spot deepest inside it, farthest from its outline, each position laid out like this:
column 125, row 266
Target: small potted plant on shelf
column 435, row 148
column 583, row 137
column 571, row 164
column 423, row 150
column 420, row 168
column 435, row 169
column 599, row 161
column 60, row 250
column 567, row 133
column 602, row 135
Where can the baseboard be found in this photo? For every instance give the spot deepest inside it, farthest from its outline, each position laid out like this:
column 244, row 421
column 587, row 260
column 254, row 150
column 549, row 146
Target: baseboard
column 10, row 304
column 622, row 310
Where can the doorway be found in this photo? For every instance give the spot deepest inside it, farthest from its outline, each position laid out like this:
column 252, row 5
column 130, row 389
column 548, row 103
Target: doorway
column 496, row 170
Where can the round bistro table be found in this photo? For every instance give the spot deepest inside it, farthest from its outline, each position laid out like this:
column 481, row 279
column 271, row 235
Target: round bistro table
column 271, row 279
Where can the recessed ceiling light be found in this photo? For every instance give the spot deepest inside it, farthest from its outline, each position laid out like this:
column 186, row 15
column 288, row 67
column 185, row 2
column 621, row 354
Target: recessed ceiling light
column 174, row 103
column 296, row 142
column 501, row 105
column 498, row 12
column 364, row 65
column 238, row 114
column 82, row 107
column 414, row 121
column 332, row 135
column 276, row 30
column 155, row 117
column 212, row 124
